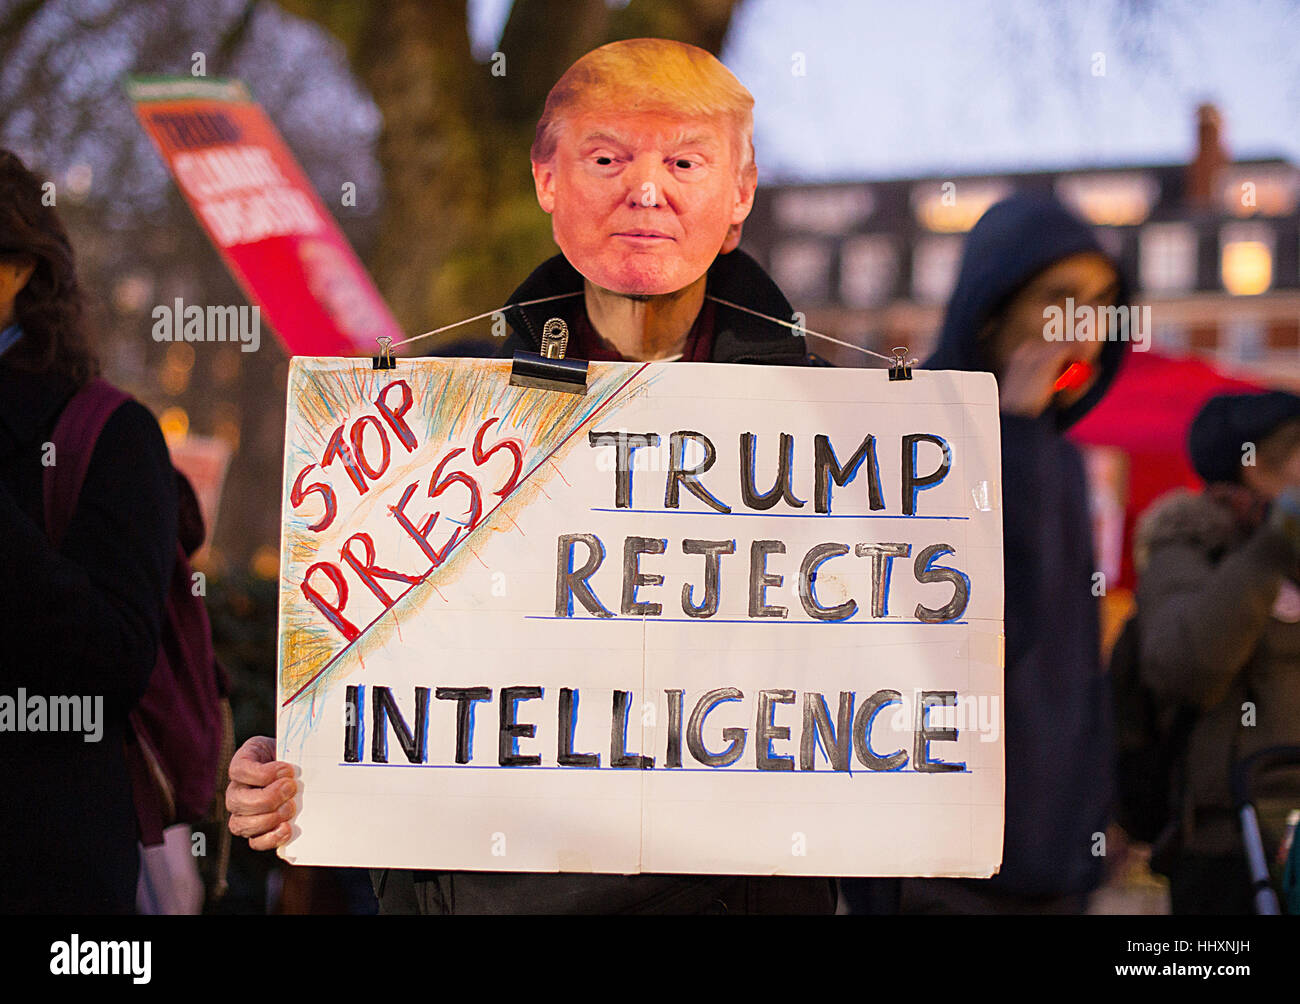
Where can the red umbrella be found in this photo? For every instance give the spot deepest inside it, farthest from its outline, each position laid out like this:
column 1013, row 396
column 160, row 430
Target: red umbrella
column 1147, row 413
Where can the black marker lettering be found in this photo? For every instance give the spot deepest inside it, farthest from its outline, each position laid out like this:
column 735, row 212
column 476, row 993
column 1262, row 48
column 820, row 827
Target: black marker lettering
column 679, row 475
column 618, row 754
column 782, row 489
column 713, row 550
column 808, row 579
column 766, row 730
column 695, row 730
column 570, row 582
column 836, row 739
column 625, row 444
column 633, row 548
column 956, row 606
column 385, row 711
column 512, row 730
column 760, row 580
column 568, row 725
column 862, row 733
column 927, row 733
column 828, row 469
column 464, row 698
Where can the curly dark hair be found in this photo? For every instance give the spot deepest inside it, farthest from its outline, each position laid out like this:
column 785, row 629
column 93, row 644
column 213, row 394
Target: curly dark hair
column 49, row 308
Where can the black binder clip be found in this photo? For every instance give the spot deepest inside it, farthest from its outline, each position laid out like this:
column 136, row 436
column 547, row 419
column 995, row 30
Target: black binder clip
column 550, row 370
column 385, row 360
column 900, row 369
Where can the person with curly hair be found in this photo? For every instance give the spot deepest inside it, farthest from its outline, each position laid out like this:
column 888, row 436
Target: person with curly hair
column 81, row 618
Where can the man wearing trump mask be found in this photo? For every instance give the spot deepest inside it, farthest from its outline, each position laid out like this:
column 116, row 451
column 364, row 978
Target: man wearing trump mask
column 644, row 159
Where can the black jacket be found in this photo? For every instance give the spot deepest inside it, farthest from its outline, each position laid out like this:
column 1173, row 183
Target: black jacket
column 82, row 620
column 1059, row 769
column 739, row 337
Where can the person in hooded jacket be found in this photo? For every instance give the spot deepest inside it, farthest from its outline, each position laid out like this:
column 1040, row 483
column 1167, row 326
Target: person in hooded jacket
column 1025, row 256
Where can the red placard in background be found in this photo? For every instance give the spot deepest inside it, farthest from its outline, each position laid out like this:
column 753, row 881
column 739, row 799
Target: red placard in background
column 259, row 209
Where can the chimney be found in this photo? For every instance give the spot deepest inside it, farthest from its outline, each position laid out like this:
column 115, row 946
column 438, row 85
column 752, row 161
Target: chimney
column 1204, row 171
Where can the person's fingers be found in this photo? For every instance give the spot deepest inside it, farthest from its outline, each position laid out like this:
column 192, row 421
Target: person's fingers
column 255, row 764
column 256, row 825
column 1025, row 385
column 1041, row 356
column 251, row 800
column 1024, row 364
column 270, row 841
column 1049, row 364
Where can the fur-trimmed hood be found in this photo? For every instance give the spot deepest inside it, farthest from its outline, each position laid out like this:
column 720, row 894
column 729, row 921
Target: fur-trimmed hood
column 1188, row 517
column 1214, row 638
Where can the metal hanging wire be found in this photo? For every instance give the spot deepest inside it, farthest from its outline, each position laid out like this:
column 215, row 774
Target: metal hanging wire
column 807, row 332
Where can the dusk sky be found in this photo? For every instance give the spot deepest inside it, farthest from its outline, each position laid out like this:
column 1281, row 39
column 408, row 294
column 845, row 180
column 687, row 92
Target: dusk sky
column 932, row 86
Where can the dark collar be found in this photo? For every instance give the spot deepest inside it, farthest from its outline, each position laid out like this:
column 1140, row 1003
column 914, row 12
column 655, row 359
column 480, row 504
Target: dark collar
column 735, row 277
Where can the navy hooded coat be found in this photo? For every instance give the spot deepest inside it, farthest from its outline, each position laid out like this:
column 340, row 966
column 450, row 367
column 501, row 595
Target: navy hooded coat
column 1059, row 764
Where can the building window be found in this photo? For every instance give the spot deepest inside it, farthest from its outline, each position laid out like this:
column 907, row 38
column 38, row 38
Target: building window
column 934, row 268
column 1261, row 189
column 1171, row 339
column 952, row 207
column 1246, row 258
column 868, row 271
column 1112, row 199
column 1167, row 258
column 824, row 210
column 800, row 268
column 1243, row 341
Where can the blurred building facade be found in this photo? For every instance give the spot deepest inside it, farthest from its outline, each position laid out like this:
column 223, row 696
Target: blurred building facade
column 1213, row 246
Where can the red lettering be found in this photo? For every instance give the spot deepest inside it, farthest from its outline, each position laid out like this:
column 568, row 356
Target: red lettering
column 515, row 449
column 419, row 534
column 333, row 612
column 437, row 486
column 337, row 448
column 299, row 494
column 358, row 446
column 368, row 572
column 396, row 418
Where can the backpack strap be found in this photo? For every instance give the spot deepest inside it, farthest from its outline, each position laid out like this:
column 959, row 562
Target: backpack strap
column 75, row 433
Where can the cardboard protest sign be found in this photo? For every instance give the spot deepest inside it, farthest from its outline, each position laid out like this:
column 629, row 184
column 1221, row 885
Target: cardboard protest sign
column 261, row 212
column 704, row 618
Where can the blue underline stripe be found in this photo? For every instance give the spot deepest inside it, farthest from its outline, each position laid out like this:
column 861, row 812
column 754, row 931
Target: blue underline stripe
column 666, row 770
column 777, row 515
column 741, row 620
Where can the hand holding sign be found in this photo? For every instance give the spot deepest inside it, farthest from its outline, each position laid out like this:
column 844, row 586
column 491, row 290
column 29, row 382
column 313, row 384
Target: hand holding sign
column 609, row 623
column 260, row 795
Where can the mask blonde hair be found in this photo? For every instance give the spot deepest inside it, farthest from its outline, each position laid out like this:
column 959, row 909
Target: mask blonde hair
column 650, row 75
